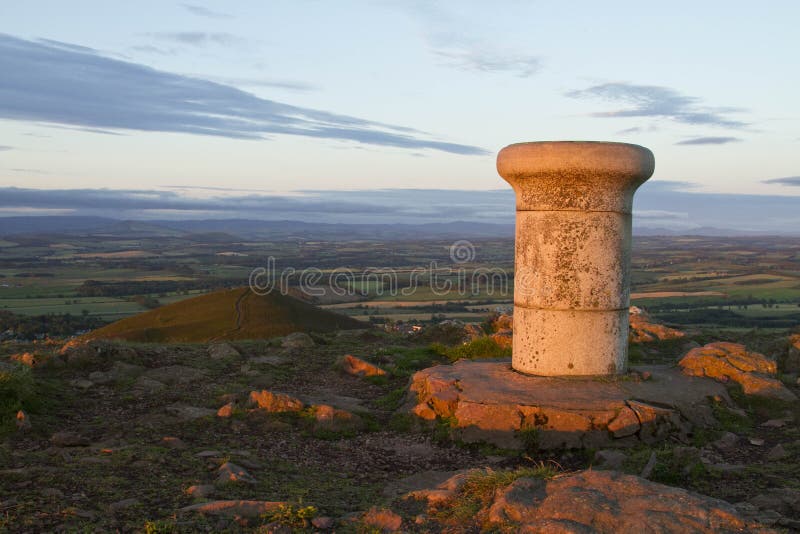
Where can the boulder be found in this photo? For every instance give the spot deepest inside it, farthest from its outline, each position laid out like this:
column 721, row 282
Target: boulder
column 791, row 362
column 358, row 367
column 643, row 330
column 329, row 418
column 504, row 338
column 611, row 502
column 201, row 491
column 297, row 341
column 726, row 362
column 274, row 402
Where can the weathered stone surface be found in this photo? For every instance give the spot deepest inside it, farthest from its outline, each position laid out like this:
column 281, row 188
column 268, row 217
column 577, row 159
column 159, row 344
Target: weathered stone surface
column 732, row 361
column 274, row 402
column 358, row 367
column 572, row 253
column 610, row 502
column 488, row 401
column 249, row 509
column 297, row 341
column 643, row 330
column 609, row 459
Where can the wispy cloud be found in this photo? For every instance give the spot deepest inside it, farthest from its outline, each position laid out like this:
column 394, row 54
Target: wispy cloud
column 201, row 11
column 709, row 141
column 4, row 148
column 289, row 85
column 199, row 38
column 481, row 60
column 67, row 85
column 788, row 180
column 658, row 102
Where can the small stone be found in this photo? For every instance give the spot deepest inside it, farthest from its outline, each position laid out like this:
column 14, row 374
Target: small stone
column 23, row 421
column 230, row 472
column 758, row 442
column 382, row 519
column 776, row 453
column 173, row 443
column 208, row 454
column 122, row 505
column 225, row 411
column 26, row 359
column 81, row 383
column 201, row 491
column 68, row 439
column 774, row 423
column 648, row 468
column 323, row 522
column 358, row 367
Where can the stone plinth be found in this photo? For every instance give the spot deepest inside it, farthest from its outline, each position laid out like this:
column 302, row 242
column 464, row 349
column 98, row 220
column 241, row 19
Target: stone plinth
column 489, row 401
column 572, row 253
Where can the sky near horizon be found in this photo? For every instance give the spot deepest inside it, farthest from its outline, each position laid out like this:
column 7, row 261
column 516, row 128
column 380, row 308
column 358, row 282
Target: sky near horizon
column 295, row 95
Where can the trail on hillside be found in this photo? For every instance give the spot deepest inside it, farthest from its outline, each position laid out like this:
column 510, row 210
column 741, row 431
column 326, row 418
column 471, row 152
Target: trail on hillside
column 237, row 308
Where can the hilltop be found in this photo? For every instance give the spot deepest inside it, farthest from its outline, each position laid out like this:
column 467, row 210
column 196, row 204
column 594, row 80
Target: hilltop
column 231, row 314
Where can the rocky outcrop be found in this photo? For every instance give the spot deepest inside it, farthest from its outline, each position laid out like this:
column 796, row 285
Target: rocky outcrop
column 223, row 351
column 643, row 330
column 488, row 401
column 726, row 362
column 598, row 502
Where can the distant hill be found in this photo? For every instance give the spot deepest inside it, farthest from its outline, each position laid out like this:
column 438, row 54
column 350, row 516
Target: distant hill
column 231, row 314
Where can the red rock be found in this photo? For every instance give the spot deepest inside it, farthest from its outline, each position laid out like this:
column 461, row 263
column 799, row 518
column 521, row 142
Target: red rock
column 230, row 472
column 358, row 367
column 642, row 330
column 382, row 519
column 731, row 361
column 26, row 358
column 610, row 502
column 226, row 410
column 625, row 424
column 23, row 421
column 274, row 402
column 201, row 491
column 173, row 442
column 503, row 338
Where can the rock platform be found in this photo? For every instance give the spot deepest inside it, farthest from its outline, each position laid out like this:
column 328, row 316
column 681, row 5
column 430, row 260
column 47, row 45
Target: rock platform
column 487, row 401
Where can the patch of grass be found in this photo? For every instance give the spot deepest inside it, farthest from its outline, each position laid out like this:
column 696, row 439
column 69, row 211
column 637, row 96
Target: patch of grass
column 731, row 421
column 481, row 348
column 763, row 407
column 17, row 392
column 160, row 526
column 675, row 466
column 392, row 400
column 481, row 486
column 293, row 516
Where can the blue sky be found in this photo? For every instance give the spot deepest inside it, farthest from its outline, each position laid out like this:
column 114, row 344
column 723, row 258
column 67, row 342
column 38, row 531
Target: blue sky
column 311, row 95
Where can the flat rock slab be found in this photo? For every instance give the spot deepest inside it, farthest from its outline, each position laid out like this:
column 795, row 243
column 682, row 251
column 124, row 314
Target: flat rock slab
column 488, row 401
